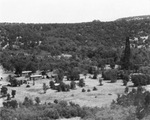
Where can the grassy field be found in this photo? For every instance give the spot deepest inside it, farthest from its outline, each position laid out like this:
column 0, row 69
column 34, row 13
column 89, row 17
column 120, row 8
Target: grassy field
column 102, row 97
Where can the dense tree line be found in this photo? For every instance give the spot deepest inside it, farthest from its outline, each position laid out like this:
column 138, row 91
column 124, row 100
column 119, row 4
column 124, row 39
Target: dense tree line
column 64, row 38
column 90, row 44
column 36, row 46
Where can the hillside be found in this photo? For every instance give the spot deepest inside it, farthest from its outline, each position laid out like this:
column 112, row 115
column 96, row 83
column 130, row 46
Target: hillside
column 68, row 38
column 94, row 70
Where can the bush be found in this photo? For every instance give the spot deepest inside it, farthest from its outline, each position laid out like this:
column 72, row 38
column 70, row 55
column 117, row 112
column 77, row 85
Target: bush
column 55, row 101
column 73, row 74
column 140, row 79
column 11, row 104
column 88, row 90
column 100, row 81
column 27, row 102
column 37, row 100
column 91, row 70
column 116, row 112
column 125, row 78
column 8, row 96
column 51, row 113
column 64, row 110
column 63, row 87
column 63, row 103
column 27, row 86
column 144, row 69
column 44, row 87
column 52, row 84
column 112, row 65
column 13, row 81
column 13, row 93
column 120, row 74
column 95, row 75
column 4, row 90
column 60, row 75
column 138, row 98
column 94, row 88
column 69, row 112
column 126, row 90
column 72, row 85
column 110, row 75
column 83, row 90
column 81, row 83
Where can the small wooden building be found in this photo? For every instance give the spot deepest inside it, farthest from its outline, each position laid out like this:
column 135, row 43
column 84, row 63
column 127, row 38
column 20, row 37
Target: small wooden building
column 26, row 73
column 35, row 77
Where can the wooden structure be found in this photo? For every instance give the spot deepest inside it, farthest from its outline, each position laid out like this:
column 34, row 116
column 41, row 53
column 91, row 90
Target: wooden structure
column 34, row 77
column 26, row 73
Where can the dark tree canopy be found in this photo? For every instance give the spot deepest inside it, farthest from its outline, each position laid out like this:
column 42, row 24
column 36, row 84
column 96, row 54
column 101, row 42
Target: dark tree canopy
column 125, row 61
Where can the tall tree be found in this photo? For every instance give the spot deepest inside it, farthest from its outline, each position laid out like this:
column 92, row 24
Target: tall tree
column 125, row 60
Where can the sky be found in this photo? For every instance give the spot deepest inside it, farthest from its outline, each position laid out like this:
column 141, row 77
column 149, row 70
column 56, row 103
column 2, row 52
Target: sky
column 70, row 11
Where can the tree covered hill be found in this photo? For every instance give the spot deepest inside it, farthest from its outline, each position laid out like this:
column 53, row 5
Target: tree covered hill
column 135, row 18
column 69, row 38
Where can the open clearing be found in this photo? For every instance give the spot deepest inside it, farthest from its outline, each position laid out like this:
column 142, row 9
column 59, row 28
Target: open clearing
column 102, row 97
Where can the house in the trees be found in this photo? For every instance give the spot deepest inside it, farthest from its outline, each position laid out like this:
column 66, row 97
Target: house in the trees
column 26, row 73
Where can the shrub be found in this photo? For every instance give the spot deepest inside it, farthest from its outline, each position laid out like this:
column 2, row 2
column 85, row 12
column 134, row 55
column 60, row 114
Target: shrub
column 58, row 88
column 70, row 112
column 27, row 102
column 81, row 83
column 52, row 84
column 112, row 65
column 65, row 112
column 72, row 85
column 138, row 98
column 37, row 100
column 110, row 75
column 44, row 87
column 94, row 88
column 51, row 113
column 8, row 96
column 56, row 111
column 72, row 104
column 83, row 90
column 63, row 103
column 125, row 78
column 116, row 113
column 120, row 74
column 126, row 90
column 100, row 81
column 63, row 87
column 13, row 93
column 95, row 75
column 67, row 87
column 134, row 97
column 144, row 69
column 27, row 86
column 55, row 101
column 11, row 104
column 73, row 74
column 60, row 75
column 4, row 90
column 147, row 99
column 91, row 70
column 13, row 81
column 140, row 79
column 88, row 90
